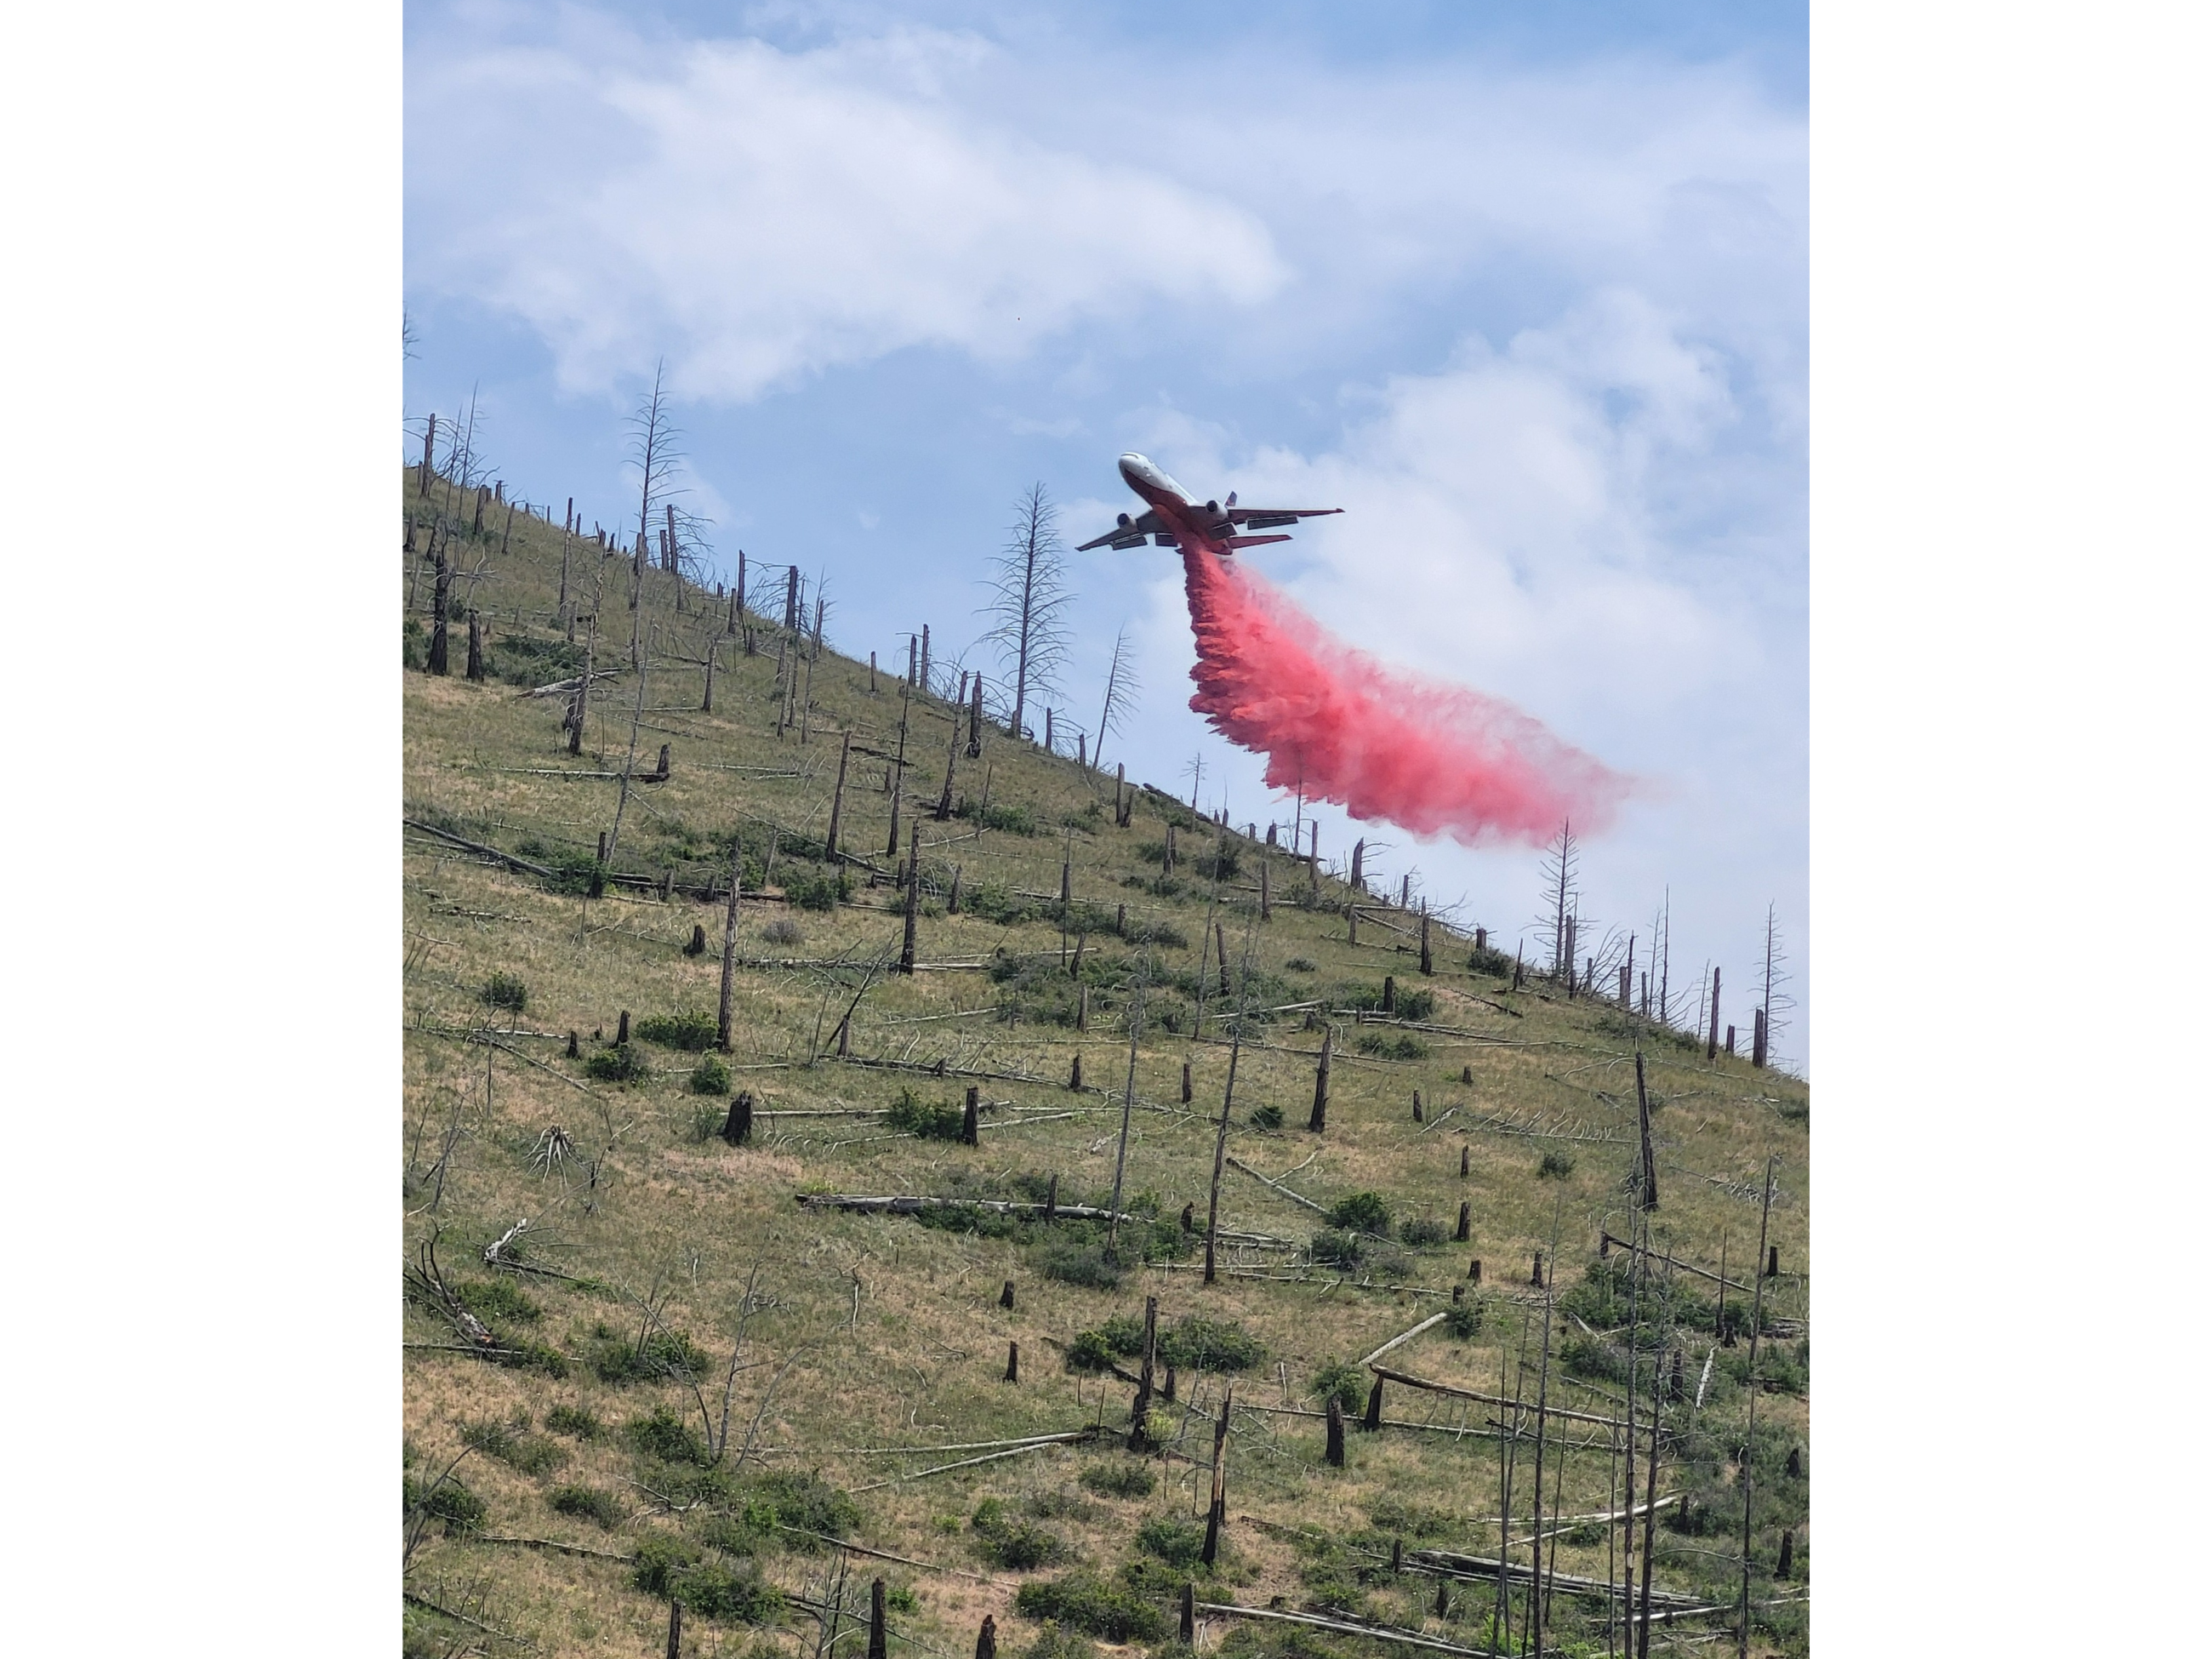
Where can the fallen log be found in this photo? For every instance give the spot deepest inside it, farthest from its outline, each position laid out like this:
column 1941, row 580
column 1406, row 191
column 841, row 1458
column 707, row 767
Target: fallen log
column 908, row 1205
column 1389, row 1376
column 1342, row 1627
column 1448, row 1564
column 1295, row 1198
column 1432, row 1321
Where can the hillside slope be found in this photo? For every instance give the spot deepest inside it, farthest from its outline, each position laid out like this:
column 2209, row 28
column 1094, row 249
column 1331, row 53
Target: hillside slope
column 579, row 1376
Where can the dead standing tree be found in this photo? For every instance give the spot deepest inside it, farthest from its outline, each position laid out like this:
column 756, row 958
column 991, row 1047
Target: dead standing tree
column 1122, row 689
column 654, row 452
column 1030, row 598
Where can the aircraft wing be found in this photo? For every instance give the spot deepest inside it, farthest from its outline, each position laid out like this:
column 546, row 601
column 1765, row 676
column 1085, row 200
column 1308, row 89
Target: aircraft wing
column 1267, row 518
column 1132, row 534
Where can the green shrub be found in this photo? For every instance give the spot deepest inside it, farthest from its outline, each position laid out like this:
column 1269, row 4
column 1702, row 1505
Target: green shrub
column 619, row 1064
column 1013, row 1543
column 1463, row 1319
column 693, row 1030
column 822, row 890
column 498, row 1299
column 1075, row 1263
column 711, row 1076
column 1487, row 960
column 1365, row 1212
column 802, row 1502
column 1054, row 1643
column 1556, row 1165
column 585, row 1503
column 671, row 1570
column 1589, row 1357
column 1422, row 1232
column 1199, row 1344
column 1299, row 965
column 504, row 990
column 1118, row 1479
column 1173, row 1540
column 910, row 1115
column 1400, row 1048
column 524, row 1354
column 575, row 1421
column 1209, row 866
column 664, row 1437
column 1266, row 1118
column 784, row 930
column 1348, row 1382
column 449, row 1501
column 1335, row 1246
column 1086, row 1602
column 663, row 1354
column 1089, row 1352
column 531, row 1455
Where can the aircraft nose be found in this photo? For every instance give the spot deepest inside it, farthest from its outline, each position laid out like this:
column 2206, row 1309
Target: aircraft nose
column 1132, row 464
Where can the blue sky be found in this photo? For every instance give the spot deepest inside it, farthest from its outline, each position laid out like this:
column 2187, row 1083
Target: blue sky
column 1522, row 289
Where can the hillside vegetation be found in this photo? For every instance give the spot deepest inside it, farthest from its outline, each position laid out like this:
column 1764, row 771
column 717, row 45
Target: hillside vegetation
column 678, row 1381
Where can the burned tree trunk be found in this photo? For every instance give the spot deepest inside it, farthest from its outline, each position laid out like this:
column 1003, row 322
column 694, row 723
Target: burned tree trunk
column 837, row 798
column 441, row 590
column 475, row 670
column 1319, row 1122
column 1334, row 1453
column 738, row 1128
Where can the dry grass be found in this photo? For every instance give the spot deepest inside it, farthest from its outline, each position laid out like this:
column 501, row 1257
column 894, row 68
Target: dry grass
column 914, row 1357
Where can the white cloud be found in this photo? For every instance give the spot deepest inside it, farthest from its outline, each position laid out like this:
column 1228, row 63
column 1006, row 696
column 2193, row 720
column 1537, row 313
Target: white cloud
column 760, row 215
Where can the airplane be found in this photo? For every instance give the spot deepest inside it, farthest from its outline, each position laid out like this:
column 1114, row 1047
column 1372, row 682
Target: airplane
column 1172, row 519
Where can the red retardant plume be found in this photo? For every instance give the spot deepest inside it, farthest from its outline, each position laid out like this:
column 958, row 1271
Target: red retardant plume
column 1428, row 757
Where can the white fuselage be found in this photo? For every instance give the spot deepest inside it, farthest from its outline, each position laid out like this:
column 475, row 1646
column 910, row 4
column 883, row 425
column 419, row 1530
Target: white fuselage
column 1188, row 519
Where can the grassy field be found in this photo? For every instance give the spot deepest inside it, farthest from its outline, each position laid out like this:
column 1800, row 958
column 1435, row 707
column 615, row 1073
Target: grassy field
column 588, row 1491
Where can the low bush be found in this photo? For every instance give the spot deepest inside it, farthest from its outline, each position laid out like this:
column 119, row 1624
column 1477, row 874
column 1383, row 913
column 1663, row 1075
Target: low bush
column 1399, row 1048
column 1556, row 1165
column 1015, row 820
column 1172, row 1539
column 1089, row 1352
column 1347, row 1383
column 1463, row 1319
column 1405, row 1004
column 524, row 1354
column 1075, row 1263
column 1014, row 1543
column 1054, row 1643
column 1131, row 1479
column 693, row 1030
column 821, row 890
column 619, row 1064
column 927, row 1121
column 1087, row 1602
column 1487, row 960
column 575, row 1421
column 586, row 1503
column 1365, row 1212
column 1196, row 1343
column 531, row 1455
column 1336, row 1247
column 664, row 1437
column 1299, row 965
column 504, row 990
column 784, row 930
column 498, row 1299
column 803, row 1502
column 1601, row 1361
column 1266, row 1118
column 448, row 1501
column 711, row 1076
column 1422, row 1232
column 671, row 1570
column 663, row 1354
